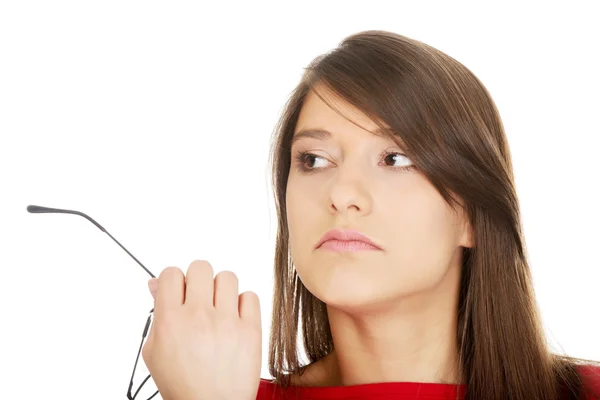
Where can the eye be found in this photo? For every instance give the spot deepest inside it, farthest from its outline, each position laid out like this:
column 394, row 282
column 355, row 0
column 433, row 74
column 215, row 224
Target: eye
column 393, row 157
column 308, row 162
column 304, row 161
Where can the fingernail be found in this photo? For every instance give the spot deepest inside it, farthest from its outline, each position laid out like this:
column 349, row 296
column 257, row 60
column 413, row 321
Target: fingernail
column 153, row 286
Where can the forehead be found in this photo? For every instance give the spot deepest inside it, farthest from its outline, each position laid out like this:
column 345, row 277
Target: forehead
column 322, row 119
column 334, row 112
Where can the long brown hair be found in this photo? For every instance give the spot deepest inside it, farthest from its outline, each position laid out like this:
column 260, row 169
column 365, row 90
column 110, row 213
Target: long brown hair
column 448, row 125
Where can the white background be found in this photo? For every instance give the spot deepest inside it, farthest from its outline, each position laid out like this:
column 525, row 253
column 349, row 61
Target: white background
column 155, row 119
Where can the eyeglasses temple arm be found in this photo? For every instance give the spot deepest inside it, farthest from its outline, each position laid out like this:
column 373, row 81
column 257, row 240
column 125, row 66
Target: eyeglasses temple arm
column 40, row 209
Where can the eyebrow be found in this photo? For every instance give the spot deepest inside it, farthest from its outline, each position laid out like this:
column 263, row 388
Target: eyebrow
column 324, row 134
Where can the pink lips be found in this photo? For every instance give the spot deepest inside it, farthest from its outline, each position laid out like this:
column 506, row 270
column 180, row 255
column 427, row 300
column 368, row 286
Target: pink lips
column 346, row 240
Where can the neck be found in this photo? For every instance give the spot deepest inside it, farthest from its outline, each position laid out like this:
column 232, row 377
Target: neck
column 412, row 340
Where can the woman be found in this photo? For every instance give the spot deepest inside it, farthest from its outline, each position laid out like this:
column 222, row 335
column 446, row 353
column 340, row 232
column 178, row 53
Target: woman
column 400, row 255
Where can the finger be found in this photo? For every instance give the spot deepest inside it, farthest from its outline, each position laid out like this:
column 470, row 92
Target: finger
column 199, row 284
column 249, row 308
column 171, row 286
column 153, row 287
column 226, row 292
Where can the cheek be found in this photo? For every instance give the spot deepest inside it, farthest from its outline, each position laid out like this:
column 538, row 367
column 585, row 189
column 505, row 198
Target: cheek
column 293, row 209
column 416, row 227
column 300, row 214
column 423, row 237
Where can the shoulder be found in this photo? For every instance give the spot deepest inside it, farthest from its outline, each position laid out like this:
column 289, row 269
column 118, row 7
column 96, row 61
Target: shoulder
column 590, row 375
column 317, row 374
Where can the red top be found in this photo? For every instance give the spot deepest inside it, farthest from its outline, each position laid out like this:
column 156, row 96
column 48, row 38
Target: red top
column 393, row 390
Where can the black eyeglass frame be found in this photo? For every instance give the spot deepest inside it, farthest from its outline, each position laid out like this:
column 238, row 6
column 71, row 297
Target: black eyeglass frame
column 39, row 209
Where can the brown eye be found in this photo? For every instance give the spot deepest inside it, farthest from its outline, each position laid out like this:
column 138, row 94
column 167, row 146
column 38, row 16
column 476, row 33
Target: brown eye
column 308, row 159
column 394, row 157
column 307, row 162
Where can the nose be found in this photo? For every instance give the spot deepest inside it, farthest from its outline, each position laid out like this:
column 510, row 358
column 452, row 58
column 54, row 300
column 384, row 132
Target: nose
column 349, row 191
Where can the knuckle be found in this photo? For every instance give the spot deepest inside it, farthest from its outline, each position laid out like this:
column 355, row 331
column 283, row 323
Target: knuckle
column 202, row 321
column 253, row 333
column 227, row 327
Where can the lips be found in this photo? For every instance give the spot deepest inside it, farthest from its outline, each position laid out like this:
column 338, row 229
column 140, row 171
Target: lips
column 346, row 235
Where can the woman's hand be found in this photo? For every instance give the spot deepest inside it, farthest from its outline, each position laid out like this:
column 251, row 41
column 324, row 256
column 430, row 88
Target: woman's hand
column 205, row 340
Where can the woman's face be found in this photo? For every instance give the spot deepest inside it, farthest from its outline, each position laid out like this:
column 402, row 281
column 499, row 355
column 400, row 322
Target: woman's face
column 354, row 179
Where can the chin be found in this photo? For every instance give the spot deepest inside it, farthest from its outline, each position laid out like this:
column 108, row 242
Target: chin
column 355, row 304
column 347, row 280
column 348, row 292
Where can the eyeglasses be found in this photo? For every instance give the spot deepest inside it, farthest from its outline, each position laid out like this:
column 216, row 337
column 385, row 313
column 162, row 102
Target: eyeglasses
column 39, row 209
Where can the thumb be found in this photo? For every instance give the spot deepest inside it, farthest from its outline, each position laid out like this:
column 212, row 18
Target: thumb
column 153, row 286
column 147, row 350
